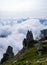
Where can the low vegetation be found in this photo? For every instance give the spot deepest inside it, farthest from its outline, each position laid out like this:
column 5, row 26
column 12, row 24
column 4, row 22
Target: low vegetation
column 29, row 57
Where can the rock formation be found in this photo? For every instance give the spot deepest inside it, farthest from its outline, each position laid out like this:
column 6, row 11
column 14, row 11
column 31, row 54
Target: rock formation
column 9, row 53
column 44, row 33
column 29, row 36
column 40, row 49
column 27, row 42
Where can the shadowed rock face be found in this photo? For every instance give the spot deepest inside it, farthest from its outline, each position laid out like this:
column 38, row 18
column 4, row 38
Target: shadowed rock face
column 40, row 49
column 29, row 36
column 27, row 42
column 24, row 43
column 5, row 58
column 44, row 33
column 9, row 53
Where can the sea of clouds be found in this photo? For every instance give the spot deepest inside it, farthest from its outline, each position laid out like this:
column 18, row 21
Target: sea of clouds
column 13, row 31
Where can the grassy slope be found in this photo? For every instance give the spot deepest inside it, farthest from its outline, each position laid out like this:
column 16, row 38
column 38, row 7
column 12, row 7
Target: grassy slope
column 29, row 57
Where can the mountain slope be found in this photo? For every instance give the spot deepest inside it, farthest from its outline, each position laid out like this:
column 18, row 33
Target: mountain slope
column 29, row 57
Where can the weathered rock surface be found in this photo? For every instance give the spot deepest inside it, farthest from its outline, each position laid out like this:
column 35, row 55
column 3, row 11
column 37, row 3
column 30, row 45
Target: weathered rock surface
column 27, row 42
column 9, row 53
column 40, row 49
column 44, row 33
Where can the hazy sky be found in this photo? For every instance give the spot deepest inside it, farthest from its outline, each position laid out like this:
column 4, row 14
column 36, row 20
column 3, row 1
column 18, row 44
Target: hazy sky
column 18, row 8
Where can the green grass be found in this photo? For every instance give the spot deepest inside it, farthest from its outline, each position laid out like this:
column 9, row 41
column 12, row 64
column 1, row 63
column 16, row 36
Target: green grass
column 29, row 57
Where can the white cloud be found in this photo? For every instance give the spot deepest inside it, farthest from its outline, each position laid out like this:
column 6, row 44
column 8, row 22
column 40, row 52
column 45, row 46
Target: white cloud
column 18, row 33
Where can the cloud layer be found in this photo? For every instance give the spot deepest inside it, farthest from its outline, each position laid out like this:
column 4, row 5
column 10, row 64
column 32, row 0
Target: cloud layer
column 15, row 32
column 23, row 8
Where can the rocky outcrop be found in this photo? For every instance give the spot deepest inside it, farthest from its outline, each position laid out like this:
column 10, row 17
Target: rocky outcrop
column 44, row 34
column 5, row 58
column 9, row 53
column 27, row 42
column 40, row 49
column 29, row 37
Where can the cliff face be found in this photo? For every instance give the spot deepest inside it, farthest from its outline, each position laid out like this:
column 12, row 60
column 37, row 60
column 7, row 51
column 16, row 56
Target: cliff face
column 44, row 33
column 9, row 53
column 27, row 42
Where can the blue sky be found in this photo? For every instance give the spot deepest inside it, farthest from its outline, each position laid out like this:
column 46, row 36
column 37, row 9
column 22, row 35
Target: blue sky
column 19, row 8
